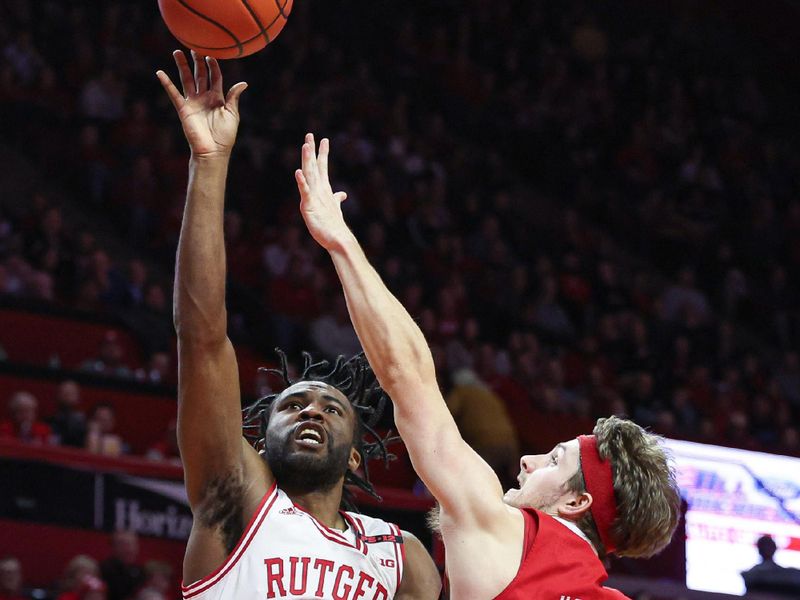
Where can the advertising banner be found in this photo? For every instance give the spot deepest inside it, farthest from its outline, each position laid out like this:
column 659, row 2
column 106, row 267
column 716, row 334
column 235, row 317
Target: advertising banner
column 734, row 497
column 55, row 494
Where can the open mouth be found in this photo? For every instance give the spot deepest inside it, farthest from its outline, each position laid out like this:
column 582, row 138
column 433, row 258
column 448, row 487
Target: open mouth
column 310, row 435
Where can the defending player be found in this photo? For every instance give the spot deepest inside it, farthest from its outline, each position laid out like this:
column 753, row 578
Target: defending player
column 612, row 491
column 265, row 525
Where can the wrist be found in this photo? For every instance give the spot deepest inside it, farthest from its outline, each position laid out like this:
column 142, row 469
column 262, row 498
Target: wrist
column 221, row 157
column 343, row 242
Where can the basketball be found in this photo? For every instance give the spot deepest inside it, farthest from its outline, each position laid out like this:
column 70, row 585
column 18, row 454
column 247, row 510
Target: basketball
column 225, row 28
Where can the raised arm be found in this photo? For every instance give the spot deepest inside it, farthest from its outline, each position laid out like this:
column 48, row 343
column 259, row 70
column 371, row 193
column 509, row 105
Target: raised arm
column 209, row 405
column 461, row 481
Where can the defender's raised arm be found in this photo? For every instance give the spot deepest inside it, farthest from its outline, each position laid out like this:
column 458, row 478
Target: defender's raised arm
column 584, row 499
column 399, row 355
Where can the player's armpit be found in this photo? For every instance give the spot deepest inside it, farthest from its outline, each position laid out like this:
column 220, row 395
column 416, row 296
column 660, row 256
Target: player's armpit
column 421, row 580
column 209, row 417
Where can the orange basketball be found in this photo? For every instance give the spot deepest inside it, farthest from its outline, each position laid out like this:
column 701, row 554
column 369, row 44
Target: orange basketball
column 225, row 28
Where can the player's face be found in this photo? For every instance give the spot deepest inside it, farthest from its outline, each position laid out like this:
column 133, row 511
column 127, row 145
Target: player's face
column 543, row 478
column 309, row 441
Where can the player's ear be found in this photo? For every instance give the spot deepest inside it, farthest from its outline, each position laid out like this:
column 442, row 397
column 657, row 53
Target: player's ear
column 354, row 461
column 575, row 506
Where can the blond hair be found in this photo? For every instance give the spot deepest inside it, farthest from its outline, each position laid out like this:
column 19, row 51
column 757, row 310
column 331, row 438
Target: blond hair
column 648, row 500
column 76, row 569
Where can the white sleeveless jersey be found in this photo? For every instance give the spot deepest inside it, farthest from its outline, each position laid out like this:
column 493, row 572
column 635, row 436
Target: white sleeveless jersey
column 286, row 553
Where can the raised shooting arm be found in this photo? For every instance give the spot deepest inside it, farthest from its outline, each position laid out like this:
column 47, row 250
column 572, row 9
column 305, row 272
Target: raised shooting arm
column 209, row 410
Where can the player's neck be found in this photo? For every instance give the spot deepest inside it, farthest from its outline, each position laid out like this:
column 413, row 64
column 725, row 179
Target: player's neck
column 572, row 526
column 323, row 505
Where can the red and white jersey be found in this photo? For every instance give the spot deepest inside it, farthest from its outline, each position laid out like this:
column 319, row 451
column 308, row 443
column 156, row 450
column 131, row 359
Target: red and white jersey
column 286, row 553
column 557, row 563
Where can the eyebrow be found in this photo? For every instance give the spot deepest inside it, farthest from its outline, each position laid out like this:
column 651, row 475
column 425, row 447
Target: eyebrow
column 330, row 398
column 562, row 447
column 327, row 397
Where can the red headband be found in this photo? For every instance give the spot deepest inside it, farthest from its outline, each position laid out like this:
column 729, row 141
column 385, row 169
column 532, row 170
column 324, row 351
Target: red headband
column 600, row 484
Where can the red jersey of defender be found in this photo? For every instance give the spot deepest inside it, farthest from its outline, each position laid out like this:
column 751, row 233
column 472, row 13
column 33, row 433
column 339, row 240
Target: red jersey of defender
column 557, row 564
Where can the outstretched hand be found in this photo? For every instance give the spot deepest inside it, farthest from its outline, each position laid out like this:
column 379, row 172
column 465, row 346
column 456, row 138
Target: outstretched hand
column 208, row 116
column 320, row 206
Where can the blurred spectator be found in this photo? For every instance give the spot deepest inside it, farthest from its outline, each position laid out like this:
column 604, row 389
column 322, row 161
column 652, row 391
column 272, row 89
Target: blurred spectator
column 166, row 449
column 101, row 436
column 11, row 579
column 294, row 299
column 768, row 576
column 72, row 582
column 122, row 571
column 69, row 422
column 20, row 279
column 788, row 378
column 550, row 315
column 157, row 583
column 24, row 424
column 789, row 442
column 462, row 350
column 103, row 98
column 683, row 296
column 23, row 57
column 110, row 358
column 135, row 282
column 158, row 370
column 333, row 334
column 151, row 319
column 589, row 41
column 484, row 422
column 278, row 255
column 91, row 588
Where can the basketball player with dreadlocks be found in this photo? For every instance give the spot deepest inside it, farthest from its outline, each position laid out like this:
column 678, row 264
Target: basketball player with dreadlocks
column 612, row 491
column 268, row 522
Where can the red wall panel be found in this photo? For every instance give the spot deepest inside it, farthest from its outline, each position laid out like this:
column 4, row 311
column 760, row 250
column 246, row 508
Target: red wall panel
column 44, row 550
column 32, row 338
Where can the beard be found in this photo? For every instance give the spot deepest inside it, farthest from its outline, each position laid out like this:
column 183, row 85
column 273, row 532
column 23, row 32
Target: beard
column 541, row 502
column 303, row 472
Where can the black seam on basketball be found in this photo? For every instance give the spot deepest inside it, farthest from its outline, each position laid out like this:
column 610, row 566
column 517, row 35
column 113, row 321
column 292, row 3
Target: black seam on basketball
column 280, row 8
column 253, row 14
column 238, row 44
column 199, row 47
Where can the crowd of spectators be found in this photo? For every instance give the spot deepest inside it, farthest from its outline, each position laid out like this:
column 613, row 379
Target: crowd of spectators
column 122, row 575
column 74, row 424
column 43, row 259
column 581, row 220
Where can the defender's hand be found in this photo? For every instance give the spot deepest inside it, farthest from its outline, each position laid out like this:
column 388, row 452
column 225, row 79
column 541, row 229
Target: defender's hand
column 209, row 118
column 320, row 206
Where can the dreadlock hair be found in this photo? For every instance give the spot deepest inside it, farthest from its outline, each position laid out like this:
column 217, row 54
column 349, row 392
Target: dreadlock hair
column 355, row 379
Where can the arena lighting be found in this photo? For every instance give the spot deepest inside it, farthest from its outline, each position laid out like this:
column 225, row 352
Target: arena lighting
column 734, row 497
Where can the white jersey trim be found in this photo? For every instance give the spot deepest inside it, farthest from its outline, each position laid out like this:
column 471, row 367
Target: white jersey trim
column 400, row 555
column 576, row 530
column 201, row 585
column 330, row 534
